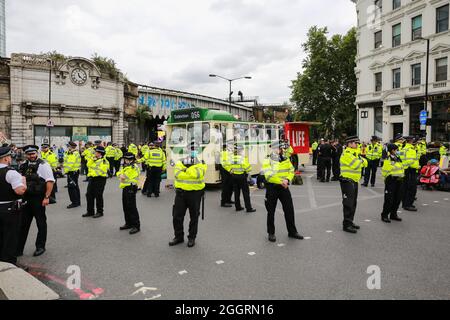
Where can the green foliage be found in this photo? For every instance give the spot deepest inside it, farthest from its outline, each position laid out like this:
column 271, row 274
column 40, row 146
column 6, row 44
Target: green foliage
column 325, row 90
column 106, row 65
column 143, row 114
column 55, row 56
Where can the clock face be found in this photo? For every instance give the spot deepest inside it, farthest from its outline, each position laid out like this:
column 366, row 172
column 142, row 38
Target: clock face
column 78, row 76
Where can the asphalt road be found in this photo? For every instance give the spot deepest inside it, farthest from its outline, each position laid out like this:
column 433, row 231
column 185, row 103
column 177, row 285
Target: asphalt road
column 234, row 260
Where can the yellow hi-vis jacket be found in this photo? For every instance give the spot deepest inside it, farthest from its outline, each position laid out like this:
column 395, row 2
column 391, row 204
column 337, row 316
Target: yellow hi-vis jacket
column 225, row 157
column 239, row 164
column 118, row 155
column 155, row 158
column 351, row 164
column 89, row 153
column 314, row 146
column 190, row 178
column 51, row 158
column 409, row 157
column 443, row 151
column 133, row 149
column 131, row 173
column 276, row 172
column 110, row 152
column 72, row 161
column 289, row 152
column 98, row 167
column 400, row 149
column 422, row 148
column 393, row 168
column 144, row 149
column 374, row 151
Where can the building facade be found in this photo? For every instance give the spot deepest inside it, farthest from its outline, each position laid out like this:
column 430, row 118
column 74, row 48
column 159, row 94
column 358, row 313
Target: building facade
column 392, row 68
column 2, row 29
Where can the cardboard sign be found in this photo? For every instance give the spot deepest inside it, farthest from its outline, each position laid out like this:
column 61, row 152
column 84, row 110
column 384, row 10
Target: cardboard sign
column 298, row 135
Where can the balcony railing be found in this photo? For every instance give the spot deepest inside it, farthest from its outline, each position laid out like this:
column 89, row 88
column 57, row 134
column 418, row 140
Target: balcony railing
column 441, row 84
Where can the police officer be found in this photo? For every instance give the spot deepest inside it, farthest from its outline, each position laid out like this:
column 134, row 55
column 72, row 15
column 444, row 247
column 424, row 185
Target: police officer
column 279, row 172
column 110, row 156
column 351, row 165
column 239, row 169
column 422, row 151
column 373, row 156
column 49, row 156
column 129, row 177
column 40, row 180
column 117, row 157
column 155, row 161
column 325, row 155
column 12, row 187
column 336, row 153
column 393, row 173
column 319, row 160
column 314, row 147
column 132, row 148
column 88, row 154
column 189, row 184
column 72, row 165
column 227, row 183
column 98, row 174
column 411, row 165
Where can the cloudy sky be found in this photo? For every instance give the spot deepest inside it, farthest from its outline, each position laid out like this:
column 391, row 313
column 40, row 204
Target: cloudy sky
column 176, row 44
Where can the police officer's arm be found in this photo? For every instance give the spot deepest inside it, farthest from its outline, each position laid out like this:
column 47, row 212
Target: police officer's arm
column 17, row 182
column 45, row 171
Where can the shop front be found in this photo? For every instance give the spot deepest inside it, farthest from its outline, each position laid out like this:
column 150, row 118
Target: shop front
column 61, row 135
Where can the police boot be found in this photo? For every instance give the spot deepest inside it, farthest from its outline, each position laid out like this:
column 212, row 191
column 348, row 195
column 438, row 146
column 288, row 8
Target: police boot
column 272, row 238
column 350, row 229
column 176, row 241
column 385, row 219
column 134, row 230
column 191, row 243
column 395, row 218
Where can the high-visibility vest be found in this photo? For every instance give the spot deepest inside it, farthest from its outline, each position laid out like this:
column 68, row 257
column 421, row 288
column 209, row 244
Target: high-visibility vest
column 50, row 158
column 133, row 149
column 443, row 151
column 225, row 156
column 190, row 178
column 289, row 152
column 118, row 155
column 72, row 161
column 400, row 148
column 422, row 148
column 155, row 158
column 351, row 164
column 145, row 149
column 89, row 153
column 314, row 146
column 110, row 152
column 374, row 152
column 276, row 172
column 239, row 164
column 393, row 168
column 131, row 173
column 409, row 157
column 98, row 168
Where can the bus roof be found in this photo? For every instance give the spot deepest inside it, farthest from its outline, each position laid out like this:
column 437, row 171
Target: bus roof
column 199, row 114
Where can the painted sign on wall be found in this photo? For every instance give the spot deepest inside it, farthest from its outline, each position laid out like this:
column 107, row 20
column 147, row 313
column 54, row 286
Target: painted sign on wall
column 164, row 103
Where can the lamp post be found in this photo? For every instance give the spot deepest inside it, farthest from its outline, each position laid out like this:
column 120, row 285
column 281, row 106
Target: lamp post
column 230, row 81
column 50, row 61
column 425, row 106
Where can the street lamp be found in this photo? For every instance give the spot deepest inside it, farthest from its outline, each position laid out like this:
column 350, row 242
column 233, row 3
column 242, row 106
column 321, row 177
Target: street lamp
column 230, row 81
column 50, row 61
column 425, row 106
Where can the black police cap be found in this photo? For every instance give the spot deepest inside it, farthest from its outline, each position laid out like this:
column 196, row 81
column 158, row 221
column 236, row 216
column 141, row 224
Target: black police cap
column 398, row 136
column 129, row 156
column 5, row 151
column 100, row 149
column 392, row 146
column 45, row 145
column 352, row 139
column 30, row 149
column 72, row 144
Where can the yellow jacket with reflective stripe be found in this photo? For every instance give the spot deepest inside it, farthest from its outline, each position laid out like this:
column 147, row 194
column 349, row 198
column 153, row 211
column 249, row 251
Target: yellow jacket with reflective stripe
column 89, row 153
column 374, row 152
column 443, row 151
column 51, row 158
column 131, row 173
column 110, row 152
column 72, row 161
column 276, row 172
column 98, row 168
column 422, row 148
column 239, row 164
column 155, row 158
column 393, row 168
column 190, row 179
column 289, row 152
column 351, row 164
column 118, row 155
column 224, row 159
column 144, row 149
column 400, row 148
column 409, row 157
column 133, row 149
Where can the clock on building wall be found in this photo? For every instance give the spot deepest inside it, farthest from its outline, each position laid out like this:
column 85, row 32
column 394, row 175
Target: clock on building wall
column 78, row 76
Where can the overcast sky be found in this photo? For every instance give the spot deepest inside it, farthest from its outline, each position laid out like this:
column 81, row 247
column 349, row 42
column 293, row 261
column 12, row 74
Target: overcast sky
column 176, row 44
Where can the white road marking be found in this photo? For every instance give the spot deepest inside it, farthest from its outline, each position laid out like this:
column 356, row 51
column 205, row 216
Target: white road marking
column 182, row 272
column 367, row 220
column 251, row 253
column 307, row 238
column 220, row 262
column 154, row 297
column 446, row 199
column 311, row 195
column 425, row 204
column 139, row 284
column 329, row 231
column 144, row 290
column 436, row 201
column 281, row 244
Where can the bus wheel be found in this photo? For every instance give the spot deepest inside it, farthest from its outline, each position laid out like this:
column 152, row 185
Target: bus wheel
column 260, row 182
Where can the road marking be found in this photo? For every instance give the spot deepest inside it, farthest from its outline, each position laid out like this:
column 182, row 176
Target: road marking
column 446, row 199
column 182, row 272
column 329, row 231
column 143, row 290
column 251, row 253
column 281, row 244
column 436, row 201
column 220, row 262
column 307, row 238
column 311, row 195
column 425, row 204
column 139, row 284
column 154, row 297
column 367, row 220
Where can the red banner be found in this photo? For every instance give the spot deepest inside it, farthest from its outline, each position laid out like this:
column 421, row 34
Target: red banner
column 298, row 135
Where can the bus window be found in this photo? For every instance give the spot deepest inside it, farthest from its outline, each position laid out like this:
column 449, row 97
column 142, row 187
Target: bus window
column 199, row 132
column 240, row 131
column 257, row 132
column 216, row 135
column 271, row 132
column 178, row 135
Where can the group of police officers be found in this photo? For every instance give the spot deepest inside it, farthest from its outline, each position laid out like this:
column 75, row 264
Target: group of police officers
column 24, row 195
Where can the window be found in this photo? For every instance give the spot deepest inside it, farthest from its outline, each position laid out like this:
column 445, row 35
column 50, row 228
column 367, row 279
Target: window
column 416, row 73
column 396, row 4
column 441, row 69
column 178, row 135
column 378, row 121
column 396, row 111
column 99, row 132
column 240, row 132
column 396, row 78
column 396, row 35
column 271, row 132
column 442, row 19
column 378, row 82
column 199, row 132
column 378, row 39
column 257, row 132
column 416, row 27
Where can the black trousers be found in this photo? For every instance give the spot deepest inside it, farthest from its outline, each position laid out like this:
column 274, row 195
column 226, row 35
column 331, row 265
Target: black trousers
column 73, row 187
column 111, row 167
column 315, row 153
column 84, row 169
column 227, row 186
column 410, row 187
column 371, row 171
column 319, row 168
column 33, row 209
column 393, row 195
column 325, row 166
column 9, row 234
column 94, row 194
column 273, row 194
column 117, row 165
column 186, row 200
column 153, row 181
column 240, row 184
column 336, row 167
column 55, row 186
column 130, row 210
column 350, row 198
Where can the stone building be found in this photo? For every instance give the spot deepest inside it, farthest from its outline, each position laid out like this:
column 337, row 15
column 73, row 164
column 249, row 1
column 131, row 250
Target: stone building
column 5, row 99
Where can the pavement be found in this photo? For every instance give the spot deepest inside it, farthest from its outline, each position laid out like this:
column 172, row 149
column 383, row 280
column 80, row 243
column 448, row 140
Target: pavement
column 91, row 259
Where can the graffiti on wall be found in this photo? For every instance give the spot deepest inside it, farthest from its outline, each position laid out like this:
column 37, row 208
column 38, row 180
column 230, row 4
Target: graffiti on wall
column 164, row 103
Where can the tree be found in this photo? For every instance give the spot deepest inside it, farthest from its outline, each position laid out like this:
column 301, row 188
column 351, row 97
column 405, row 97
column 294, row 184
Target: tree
column 325, row 90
